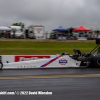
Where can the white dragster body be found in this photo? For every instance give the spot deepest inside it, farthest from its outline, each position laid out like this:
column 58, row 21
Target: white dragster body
column 57, row 62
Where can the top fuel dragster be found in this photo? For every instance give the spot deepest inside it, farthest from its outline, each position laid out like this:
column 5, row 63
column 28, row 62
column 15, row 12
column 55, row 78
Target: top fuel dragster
column 79, row 59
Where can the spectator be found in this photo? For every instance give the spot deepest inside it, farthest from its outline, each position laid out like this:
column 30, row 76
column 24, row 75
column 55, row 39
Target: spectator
column 14, row 34
column 79, row 35
column 51, row 35
column 55, row 35
column 90, row 36
column 86, row 35
column 9, row 35
column 2, row 34
column 6, row 34
column 75, row 35
column 46, row 34
column 97, row 35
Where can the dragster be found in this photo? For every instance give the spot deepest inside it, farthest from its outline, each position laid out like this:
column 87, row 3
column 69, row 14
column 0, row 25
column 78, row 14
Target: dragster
column 64, row 60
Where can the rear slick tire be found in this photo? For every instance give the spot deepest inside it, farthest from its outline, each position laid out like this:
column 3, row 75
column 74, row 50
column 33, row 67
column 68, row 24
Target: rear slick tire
column 96, row 61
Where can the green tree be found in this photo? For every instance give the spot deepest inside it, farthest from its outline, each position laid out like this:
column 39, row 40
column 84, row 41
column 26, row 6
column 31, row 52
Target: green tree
column 19, row 24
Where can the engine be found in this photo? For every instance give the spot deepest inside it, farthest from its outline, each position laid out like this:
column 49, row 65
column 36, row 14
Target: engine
column 78, row 55
column 81, row 58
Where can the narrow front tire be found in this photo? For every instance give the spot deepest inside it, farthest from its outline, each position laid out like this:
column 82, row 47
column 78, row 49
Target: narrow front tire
column 1, row 65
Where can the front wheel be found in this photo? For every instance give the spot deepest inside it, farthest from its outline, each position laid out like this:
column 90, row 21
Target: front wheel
column 1, row 65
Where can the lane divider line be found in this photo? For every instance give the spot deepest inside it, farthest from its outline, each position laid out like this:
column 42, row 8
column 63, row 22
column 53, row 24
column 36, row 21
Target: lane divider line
column 51, row 76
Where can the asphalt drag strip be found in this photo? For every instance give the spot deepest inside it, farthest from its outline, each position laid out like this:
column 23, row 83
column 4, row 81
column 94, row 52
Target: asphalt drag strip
column 63, row 84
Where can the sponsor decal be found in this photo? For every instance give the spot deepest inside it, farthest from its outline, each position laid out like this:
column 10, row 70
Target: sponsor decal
column 76, row 63
column 63, row 61
column 34, row 66
column 38, row 30
column 26, row 58
column 81, row 38
column 62, row 38
column 25, row 66
column 50, row 62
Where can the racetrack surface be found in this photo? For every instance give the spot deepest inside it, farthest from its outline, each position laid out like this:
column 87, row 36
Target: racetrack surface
column 65, row 84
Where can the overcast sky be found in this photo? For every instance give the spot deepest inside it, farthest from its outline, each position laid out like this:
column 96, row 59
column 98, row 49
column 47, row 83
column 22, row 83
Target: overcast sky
column 51, row 13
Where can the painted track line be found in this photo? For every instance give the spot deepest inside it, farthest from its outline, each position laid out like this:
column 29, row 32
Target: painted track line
column 51, row 76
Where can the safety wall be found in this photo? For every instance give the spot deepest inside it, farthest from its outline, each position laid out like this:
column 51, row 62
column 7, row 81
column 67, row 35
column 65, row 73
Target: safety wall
column 17, row 58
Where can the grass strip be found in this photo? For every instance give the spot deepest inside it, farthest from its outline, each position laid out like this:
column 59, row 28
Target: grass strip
column 42, row 48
